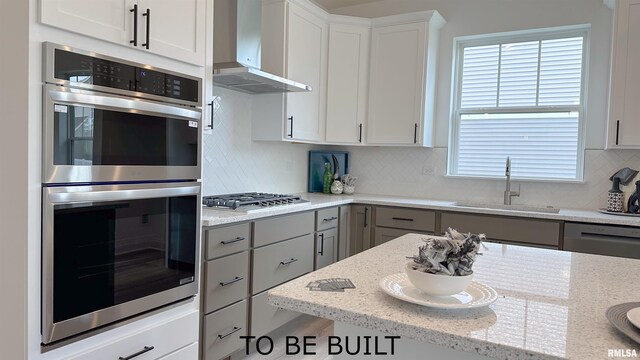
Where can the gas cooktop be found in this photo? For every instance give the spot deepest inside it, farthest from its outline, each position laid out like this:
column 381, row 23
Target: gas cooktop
column 250, row 202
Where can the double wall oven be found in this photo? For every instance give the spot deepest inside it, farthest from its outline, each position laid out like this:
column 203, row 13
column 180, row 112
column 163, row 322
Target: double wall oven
column 121, row 191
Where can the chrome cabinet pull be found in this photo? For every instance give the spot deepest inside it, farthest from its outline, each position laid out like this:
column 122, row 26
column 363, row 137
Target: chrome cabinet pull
column 415, row 134
column 144, row 350
column 360, row 136
column 227, row 242
column 330, row 219
column 401, row 219
column 135, row 25
column 148, row 15
column 234, row 330
column 235, row 280
column 288, row 262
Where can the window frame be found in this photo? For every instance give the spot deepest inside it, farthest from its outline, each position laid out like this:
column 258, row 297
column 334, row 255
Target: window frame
column 456, row 111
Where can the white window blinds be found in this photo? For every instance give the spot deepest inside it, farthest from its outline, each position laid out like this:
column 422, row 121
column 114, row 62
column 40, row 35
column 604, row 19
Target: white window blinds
column 521, row 99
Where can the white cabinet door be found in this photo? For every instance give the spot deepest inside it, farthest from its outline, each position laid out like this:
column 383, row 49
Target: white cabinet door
column 176, row 28
column 306, row 63
column 347, row 83
column 624, row 124
column 110, row 20
column 397, row 84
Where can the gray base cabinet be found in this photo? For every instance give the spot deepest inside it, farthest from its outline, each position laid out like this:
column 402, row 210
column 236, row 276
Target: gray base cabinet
column 544, row 233
column 222, row 331
column 360, row 228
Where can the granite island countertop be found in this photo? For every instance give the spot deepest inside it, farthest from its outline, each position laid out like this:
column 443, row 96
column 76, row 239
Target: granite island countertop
column 551, row 304
column 212, row 217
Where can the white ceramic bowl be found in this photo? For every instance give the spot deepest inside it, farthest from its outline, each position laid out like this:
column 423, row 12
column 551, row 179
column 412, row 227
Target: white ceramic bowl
column 437, row 285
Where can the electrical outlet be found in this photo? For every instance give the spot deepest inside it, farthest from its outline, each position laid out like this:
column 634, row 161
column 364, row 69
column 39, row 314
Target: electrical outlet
column 428, row 171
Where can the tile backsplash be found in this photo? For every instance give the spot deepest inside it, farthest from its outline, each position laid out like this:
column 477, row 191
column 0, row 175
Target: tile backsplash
column 421, row 173
column 235, row 163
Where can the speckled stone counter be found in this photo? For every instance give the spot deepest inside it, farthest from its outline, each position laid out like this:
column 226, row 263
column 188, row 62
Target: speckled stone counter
column 551, row 304
column 211, row 217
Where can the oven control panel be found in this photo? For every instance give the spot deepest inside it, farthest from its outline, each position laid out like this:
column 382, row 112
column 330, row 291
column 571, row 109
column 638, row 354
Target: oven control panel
column 89, row 71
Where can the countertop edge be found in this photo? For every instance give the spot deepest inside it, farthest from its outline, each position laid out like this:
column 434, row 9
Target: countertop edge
column 450, row 341
column 211, row 217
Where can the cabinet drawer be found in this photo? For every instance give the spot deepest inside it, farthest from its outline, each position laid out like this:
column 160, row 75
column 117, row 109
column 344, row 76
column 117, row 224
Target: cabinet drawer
column 382, row 235
column 222, row 331
column 282, row 228
column 227, row 240
column 326, row 219
column 186, row 353
column 164, row 338
column 411, row 219
column 266, row 318
column 277, row 263
column 526, row 231
column 227, row 281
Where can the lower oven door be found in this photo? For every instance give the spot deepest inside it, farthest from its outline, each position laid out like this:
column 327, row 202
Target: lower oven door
column 114, row 251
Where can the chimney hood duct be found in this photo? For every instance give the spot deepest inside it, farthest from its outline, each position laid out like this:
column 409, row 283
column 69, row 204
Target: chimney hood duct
column 237, row 50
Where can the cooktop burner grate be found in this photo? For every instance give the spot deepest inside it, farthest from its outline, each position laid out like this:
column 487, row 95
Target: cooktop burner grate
column 251, row 201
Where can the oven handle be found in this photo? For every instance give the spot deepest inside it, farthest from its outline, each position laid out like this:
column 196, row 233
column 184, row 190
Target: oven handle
column 82, row 97
column 112, row 193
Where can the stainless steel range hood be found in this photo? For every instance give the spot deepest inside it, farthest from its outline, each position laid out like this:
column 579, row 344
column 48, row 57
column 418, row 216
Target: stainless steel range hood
column 237, row 50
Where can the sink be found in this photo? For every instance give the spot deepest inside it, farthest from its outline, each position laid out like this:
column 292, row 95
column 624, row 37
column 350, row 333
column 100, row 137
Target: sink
column 543, row 209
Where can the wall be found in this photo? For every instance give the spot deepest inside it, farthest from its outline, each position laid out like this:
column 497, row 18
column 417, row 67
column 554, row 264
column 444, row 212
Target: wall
column 233, row 163
column 14, row 55
column 400, row 171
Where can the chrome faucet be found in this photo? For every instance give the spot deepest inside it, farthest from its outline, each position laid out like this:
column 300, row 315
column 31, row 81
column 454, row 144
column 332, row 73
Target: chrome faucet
column 508, row 194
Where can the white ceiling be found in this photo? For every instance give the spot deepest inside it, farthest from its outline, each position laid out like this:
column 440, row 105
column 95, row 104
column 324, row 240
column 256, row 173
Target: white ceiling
column 335, row 4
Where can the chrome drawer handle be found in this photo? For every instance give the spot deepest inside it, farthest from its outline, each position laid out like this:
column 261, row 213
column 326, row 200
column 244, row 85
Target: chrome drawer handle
column 234, row 330
column 401, row 219
column 288, row 262
column 144, row 350
column 330, row 219
column 235, row 280
column 226, row 242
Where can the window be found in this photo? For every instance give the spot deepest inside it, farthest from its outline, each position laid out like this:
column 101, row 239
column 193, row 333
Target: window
column 519, row 96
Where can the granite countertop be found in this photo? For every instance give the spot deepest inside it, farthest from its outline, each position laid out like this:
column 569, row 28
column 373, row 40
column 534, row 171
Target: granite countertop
column 551, row 304
column 212, row 217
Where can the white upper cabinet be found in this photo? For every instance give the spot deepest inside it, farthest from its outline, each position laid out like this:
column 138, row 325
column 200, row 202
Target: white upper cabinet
column 624, row 121
column 306, row 63
column 402, row 80
column 294, row 46
column 347, row 83
column 170, row 28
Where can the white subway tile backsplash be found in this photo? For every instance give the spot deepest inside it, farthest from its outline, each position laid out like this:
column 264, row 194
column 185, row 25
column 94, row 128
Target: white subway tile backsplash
column 235, row 163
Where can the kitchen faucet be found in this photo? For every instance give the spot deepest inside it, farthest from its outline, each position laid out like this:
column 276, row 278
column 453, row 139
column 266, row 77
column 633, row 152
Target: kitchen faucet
column 508, row 194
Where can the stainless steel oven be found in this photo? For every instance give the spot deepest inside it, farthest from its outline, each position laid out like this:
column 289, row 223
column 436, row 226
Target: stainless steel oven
column 111, row 252
column 110, row 120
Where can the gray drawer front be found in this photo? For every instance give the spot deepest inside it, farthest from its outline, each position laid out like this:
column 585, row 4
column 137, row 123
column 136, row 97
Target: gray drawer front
column 282, row 228
column 228, row 271
column 411, row 219
column 327, row 219
column 546, row 233
column 221, row 323
column 268, row 270
column 266, row 318
column 602, row 240
column 382, row 235
column 228, row 240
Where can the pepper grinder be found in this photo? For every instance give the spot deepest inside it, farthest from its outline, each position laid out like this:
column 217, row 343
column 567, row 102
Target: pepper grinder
column 615, row 196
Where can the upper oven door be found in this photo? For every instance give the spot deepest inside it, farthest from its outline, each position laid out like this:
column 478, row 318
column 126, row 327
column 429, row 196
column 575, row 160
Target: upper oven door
column 91, row 137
